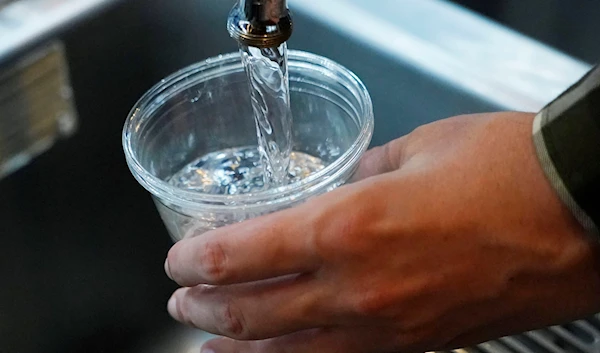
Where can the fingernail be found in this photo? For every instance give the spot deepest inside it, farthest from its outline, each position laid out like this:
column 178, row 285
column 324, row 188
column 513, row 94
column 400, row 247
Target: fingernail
column 167, row 271
column 172, row 308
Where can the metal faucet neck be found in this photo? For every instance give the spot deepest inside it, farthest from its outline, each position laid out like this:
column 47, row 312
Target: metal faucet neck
column 260, row 23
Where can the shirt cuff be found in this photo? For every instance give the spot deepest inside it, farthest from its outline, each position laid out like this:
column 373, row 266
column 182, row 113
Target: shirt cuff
column 566, row 135
column 555, row 178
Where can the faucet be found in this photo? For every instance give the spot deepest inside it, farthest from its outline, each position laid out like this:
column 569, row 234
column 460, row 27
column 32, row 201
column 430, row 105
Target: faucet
column 260, row 23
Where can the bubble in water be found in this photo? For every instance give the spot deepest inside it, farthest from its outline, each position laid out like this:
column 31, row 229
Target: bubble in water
column 238, row 171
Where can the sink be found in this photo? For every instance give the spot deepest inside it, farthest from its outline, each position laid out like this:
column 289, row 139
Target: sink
column 562, row 24
column 83, row 244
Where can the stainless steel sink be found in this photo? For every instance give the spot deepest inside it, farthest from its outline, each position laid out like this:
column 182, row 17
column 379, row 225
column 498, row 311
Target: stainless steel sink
column 82, row 243
column 582, row 336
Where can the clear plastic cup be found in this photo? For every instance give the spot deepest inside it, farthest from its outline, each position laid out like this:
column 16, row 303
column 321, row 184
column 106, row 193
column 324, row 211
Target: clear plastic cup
column 206, row 108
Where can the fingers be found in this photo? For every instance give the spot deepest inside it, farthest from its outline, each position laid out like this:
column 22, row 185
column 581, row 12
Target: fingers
column 382, row 159
column 253, row 310
column 323, row 340
column 265, row 247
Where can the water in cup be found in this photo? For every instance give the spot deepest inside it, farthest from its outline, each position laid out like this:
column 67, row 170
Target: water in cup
column 238, row 171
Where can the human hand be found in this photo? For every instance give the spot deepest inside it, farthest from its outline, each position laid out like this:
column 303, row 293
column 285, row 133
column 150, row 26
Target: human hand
column 452, row 236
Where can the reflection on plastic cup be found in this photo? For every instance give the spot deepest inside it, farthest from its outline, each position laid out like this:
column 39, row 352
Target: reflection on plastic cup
column 206, row 108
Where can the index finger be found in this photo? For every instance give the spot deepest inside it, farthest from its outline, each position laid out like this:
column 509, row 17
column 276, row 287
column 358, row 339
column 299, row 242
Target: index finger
column 265, row 247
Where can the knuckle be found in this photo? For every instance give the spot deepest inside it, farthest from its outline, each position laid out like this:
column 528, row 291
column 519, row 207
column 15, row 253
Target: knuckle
column 214, row 264
column 183, row 312
column 416, row 138
column 230, row 320
column 346, row 234
column 334, row 241
column 420, row 131
column 372, row 304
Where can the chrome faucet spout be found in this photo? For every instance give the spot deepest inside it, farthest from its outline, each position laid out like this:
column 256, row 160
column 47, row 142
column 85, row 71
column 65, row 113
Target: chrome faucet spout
column 260, row 23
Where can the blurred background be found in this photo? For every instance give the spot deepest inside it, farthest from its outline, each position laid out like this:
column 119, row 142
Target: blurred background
column 82, row 247
column 566, row 25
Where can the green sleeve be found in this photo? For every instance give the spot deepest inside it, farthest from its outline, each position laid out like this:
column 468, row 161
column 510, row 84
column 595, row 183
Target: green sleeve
column 566, row 134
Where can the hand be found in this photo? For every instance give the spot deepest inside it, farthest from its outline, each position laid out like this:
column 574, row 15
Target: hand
column 452, row 237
